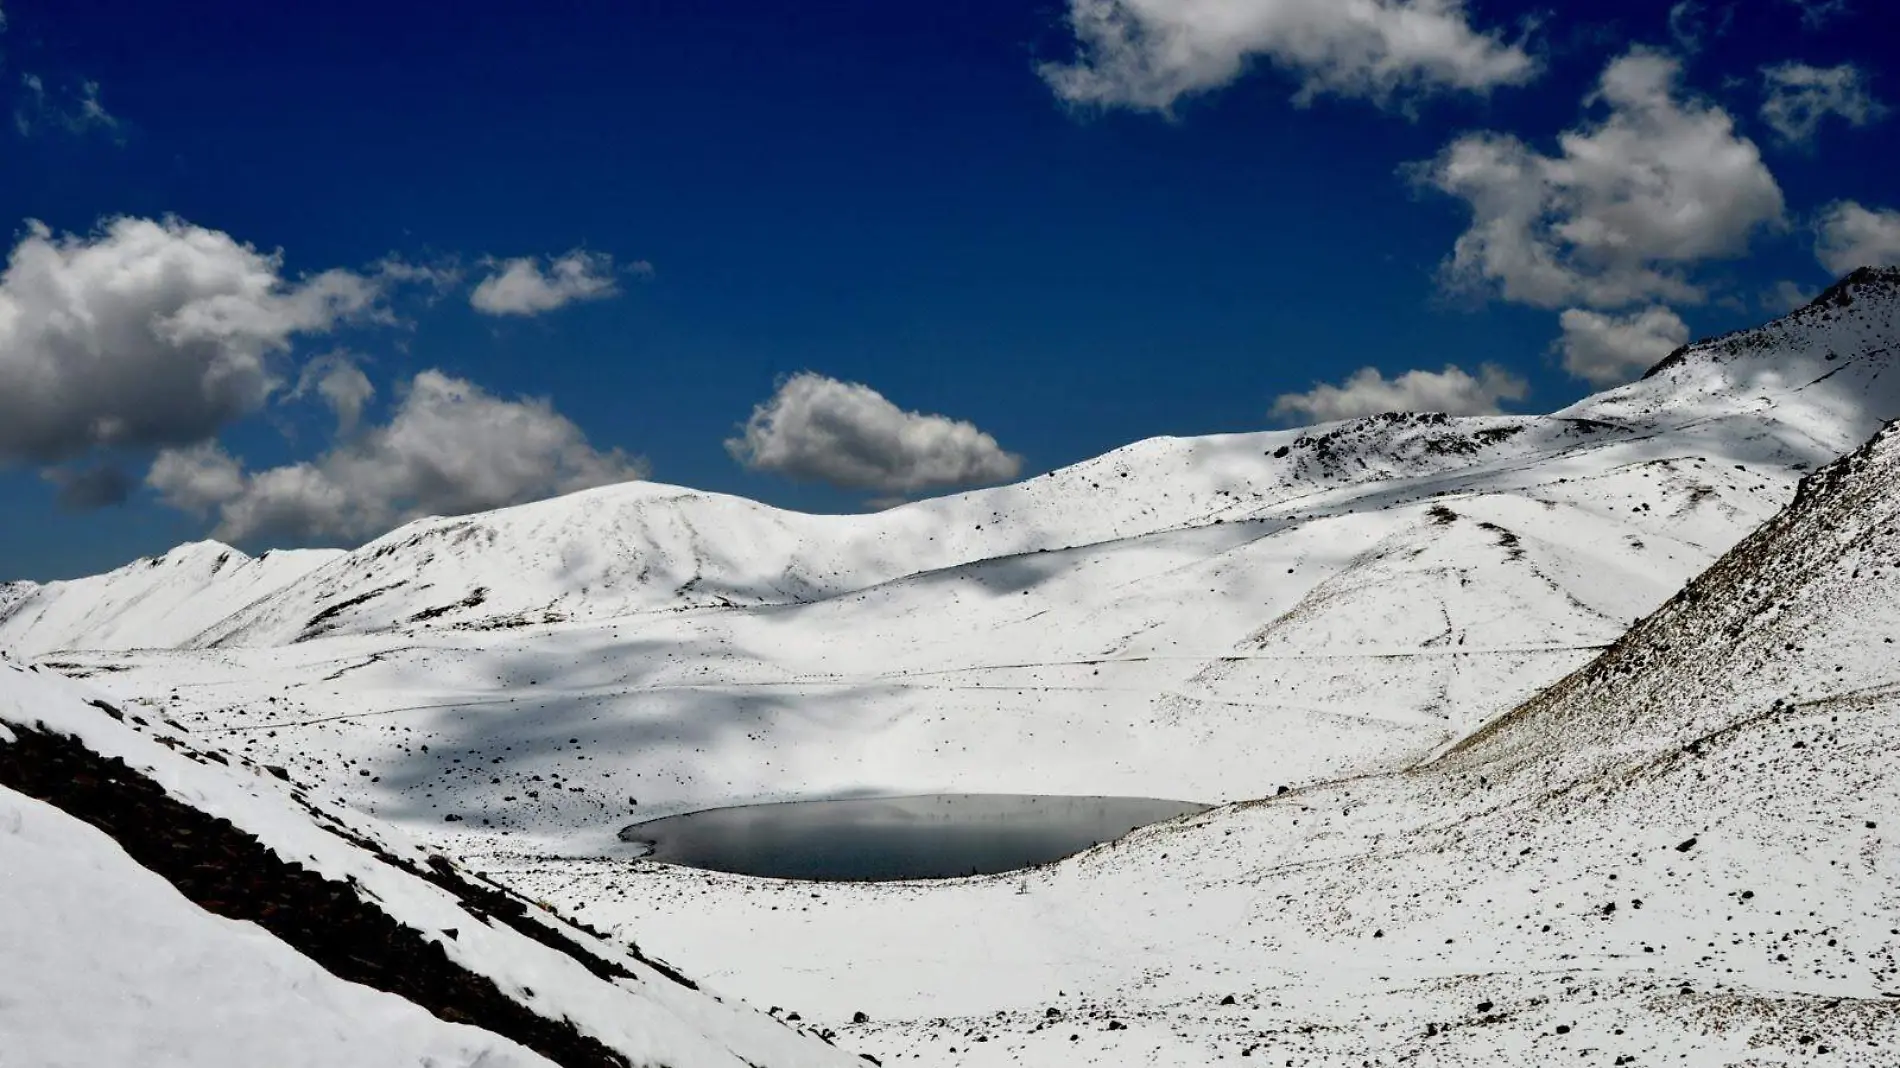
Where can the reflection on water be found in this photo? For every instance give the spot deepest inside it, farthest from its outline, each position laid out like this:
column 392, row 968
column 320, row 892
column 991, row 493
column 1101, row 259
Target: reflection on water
column 935, row 836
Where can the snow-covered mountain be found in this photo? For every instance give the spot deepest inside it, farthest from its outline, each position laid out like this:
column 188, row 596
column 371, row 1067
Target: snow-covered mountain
column 167, row 905
column 14, row 591
column 1206, row 618
column 1326, row 610
column 1786, row 396
column 638, row 547
column 160, row 602
column 1684, row 853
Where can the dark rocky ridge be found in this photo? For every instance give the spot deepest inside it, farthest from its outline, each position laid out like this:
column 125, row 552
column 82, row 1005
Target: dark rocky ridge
column 230, row 873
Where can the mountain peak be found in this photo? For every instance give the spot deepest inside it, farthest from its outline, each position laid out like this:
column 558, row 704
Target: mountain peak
column 199, row 550
column 1862, row 285
column 1861, row 281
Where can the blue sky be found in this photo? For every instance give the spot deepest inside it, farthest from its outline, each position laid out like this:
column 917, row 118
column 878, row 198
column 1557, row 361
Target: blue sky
column 941, row 244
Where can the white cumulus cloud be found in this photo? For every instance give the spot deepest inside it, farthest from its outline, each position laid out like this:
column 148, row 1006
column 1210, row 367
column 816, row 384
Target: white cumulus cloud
column 149, row 333
column 1608, row 350
column 848, row 435
column 450, row 448
column 1796, row 97
column 1453, row 391
column 1625, row 208
column 337, row 379
column 1151, row 53
column 524, row 287
column 198, row 478
column 1850, row 235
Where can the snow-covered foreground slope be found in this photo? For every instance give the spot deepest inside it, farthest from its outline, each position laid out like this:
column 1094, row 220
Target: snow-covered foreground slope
column 108, row 963
column 1685, row 852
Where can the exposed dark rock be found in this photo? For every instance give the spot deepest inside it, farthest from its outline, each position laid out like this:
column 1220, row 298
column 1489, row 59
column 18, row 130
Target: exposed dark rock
column 229, row 872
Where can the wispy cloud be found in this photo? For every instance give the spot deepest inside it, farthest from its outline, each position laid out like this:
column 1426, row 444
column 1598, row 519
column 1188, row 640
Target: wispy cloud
column 1608, row 350
column 77, row 110
column 1796, row 97
column 1453, row 391
column 450, row 448
column 1693, row 26
column 1850, row 235
column 1150, row 54
column 1818, row 13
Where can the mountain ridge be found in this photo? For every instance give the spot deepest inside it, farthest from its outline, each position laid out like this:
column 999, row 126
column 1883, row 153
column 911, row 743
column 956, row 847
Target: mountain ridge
column 642, row 547
column 1682, row 852
column 1482, row 818
column 1365, row 592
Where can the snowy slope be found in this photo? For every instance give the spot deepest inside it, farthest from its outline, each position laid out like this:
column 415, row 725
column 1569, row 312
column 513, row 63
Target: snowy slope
column 1218, row 662
column 108, row 964
column 1822, row 373
column 1360, row 601
column 638, row 547
column 1799, row 391
column 160, row 602
column 1685, row 852
column 1793, row 394
column 1207, row 619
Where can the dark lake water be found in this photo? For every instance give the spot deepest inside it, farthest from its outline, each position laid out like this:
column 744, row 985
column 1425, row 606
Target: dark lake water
column 933, row 836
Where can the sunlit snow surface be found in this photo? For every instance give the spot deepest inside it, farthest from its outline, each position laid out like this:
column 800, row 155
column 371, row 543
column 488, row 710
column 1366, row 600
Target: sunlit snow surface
column 104, row 963
column 1214, row 618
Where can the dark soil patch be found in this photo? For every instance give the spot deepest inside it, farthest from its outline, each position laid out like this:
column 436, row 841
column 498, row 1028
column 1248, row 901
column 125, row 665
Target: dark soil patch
column 473, row 600
column 316, row 627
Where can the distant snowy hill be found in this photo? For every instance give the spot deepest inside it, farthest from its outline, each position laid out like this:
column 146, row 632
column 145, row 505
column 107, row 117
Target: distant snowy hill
column 160, row 602
column 1816, row 381
column 639, row 547
column 128, row 855
column 1795, row 393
